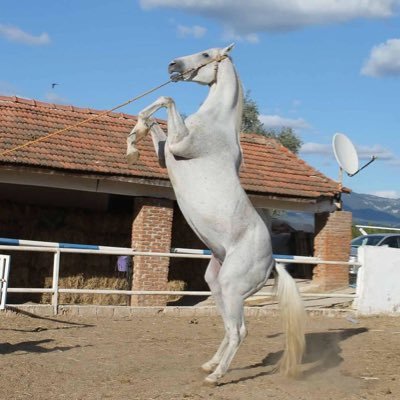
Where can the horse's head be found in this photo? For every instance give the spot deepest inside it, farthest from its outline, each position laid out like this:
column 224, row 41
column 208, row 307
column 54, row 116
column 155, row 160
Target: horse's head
column 200, row 67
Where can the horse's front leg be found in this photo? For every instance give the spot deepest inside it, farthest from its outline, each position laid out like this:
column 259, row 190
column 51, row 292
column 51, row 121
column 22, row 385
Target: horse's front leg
column 180, row 142
column 138, row 132
column 177, row 129
column 159, row 139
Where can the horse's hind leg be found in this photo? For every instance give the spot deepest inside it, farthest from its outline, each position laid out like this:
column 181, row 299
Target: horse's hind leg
column 230, row 303
column 241, row 274
column 211, row 278
column 211, row 365
column 235, row 334
column 215, row 287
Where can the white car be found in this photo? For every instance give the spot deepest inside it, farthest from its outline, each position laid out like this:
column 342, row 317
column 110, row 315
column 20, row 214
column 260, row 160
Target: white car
column 376, row 239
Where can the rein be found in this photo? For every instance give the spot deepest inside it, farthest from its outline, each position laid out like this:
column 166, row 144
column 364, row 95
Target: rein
column 101, row 114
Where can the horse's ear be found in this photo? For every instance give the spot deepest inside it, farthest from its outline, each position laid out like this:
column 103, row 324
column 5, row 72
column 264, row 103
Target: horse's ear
column 227, row 49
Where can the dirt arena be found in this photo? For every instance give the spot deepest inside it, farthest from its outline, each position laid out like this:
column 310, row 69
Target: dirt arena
column 158, row 357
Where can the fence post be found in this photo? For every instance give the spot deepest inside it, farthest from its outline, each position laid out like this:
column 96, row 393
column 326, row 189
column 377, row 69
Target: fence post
column 56, row 273
column 4, row 273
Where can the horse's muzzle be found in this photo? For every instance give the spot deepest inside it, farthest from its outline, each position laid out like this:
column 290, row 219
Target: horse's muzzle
column 175, row 66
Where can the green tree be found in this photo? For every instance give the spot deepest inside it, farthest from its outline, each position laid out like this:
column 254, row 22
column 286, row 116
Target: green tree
column 251, row 123
column 287, row 137
column 250, row 119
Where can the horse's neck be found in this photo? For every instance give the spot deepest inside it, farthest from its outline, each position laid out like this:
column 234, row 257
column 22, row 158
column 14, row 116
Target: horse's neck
column 225, row 99
column 224, row 105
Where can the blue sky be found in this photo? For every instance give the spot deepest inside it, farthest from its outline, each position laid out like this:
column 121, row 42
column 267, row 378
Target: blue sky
column 321, row 67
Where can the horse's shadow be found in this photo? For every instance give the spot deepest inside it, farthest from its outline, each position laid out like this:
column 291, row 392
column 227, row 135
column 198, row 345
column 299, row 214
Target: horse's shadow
column 36, row 346
column 32, row 346
column 65, row 324
column 322, row 352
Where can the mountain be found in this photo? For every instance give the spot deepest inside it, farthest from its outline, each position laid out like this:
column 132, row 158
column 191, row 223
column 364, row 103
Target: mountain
column 372, row 210
column 366, row 208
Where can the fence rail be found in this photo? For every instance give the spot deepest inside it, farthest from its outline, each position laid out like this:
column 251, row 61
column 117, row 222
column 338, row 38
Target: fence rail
column 58, row 249
column 362, row 228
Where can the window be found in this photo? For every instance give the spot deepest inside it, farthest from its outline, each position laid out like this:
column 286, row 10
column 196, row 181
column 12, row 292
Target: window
column 366, row 241
column 392, row 241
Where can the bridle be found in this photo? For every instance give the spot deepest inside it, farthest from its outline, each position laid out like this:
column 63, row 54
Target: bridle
column 195, row 70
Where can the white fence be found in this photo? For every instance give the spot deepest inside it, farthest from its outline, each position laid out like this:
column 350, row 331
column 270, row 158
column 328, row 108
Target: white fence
column 378, row 281
column 58, row 248
column 4, row 273
column 362, row 228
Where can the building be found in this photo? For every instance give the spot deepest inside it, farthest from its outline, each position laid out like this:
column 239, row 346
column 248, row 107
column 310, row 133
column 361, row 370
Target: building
column 76, row 186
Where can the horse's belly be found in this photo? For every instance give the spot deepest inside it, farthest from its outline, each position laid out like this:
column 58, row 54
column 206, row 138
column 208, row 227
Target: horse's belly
column 212, row 202
column 212, row 230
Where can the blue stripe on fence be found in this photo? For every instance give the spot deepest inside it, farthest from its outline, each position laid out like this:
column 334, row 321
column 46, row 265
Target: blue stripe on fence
column 18, row 242
column 284, row 257
column 77, row 246
column 191, row 251
column 208, row 253
column 9, row 242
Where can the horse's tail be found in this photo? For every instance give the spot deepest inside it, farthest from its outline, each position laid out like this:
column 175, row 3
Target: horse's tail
column 293, row 317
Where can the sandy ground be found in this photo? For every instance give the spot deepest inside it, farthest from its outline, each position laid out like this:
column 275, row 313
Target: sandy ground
column 158, row 357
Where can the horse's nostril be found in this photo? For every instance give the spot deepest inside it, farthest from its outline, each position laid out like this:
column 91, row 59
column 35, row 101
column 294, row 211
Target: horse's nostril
column 173, row 66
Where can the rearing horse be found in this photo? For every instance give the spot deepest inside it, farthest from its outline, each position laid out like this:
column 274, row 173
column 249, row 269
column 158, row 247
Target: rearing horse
column 203, row 155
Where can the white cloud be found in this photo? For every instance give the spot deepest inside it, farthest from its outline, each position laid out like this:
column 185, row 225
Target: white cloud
column 251, row 16
column 195, row 31
column 362, row 151
column 230, row 35
column 276, row 121
column 395, row 162
column 316, row 148
column 388, row 194
column 366, row 152
column 384, row 59
column 15, row 34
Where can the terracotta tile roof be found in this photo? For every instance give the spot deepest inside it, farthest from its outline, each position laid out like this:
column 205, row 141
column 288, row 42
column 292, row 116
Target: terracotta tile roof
column 99, row 146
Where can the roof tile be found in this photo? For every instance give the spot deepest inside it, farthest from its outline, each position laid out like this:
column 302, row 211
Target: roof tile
column 99, row 147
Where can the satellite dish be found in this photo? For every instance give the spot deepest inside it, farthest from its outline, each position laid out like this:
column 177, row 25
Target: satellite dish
column 345, row 153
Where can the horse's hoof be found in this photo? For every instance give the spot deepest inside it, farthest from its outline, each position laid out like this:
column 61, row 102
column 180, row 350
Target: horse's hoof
column 207, row 367
column 141, row 129
column 132, row 156
column 211, row 382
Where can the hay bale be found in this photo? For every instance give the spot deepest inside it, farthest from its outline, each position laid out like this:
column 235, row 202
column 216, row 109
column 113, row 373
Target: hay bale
column 175, row 285
column 95, row 282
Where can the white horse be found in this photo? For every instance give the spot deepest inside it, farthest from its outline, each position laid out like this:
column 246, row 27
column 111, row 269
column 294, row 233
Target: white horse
column 203, row 155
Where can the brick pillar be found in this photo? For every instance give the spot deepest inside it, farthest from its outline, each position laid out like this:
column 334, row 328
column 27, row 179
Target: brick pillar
column 332, row 242
column 151, row 231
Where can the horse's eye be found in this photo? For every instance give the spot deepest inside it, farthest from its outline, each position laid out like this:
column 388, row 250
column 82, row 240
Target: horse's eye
column 206, row 55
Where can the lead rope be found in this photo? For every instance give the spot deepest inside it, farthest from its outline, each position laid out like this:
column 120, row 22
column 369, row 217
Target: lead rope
column 67, row 128
column 84, row 121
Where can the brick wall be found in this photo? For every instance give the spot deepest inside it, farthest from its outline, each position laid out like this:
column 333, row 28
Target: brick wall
column 332, row 242
column 151, row 231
